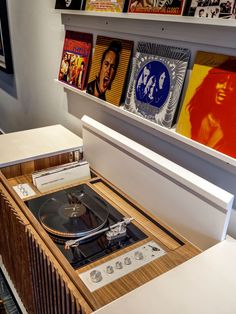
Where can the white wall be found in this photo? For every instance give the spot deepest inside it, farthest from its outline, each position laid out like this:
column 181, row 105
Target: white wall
column 37, row 35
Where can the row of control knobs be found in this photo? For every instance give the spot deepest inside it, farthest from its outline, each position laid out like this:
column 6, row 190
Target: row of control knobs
column 96, row 275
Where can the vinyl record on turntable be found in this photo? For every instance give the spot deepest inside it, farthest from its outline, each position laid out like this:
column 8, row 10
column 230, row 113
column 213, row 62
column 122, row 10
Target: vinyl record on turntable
column 77, row 217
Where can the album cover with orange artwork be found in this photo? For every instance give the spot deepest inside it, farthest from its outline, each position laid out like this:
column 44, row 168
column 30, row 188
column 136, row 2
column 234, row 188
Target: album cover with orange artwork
column 106, row 5
column 109, row 70
column 173, row 7
column 208, row 114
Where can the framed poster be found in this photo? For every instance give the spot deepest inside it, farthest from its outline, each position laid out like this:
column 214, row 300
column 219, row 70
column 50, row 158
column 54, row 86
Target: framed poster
column 5, row 46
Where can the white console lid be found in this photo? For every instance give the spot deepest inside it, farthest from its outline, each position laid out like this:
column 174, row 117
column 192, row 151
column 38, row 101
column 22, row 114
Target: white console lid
column 196, row 208
column 36, row 143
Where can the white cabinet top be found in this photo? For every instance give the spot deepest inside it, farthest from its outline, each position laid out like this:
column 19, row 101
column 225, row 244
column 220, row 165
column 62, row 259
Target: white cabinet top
column 36, row 143
column 205, row 284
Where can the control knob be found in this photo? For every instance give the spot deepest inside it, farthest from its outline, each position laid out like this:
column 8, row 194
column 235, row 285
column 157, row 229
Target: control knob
column 119, row 265
column 138, row 255
column 96, row 276
column 110, row 269
column 127, row 260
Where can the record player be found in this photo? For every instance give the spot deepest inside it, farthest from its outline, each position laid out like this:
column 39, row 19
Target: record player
column 82, row 246
column 113, row 244
column 83, row 225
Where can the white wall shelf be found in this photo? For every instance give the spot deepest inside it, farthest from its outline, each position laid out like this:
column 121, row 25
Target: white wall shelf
column 169, row 134
column 174, row 28
column 153, row 17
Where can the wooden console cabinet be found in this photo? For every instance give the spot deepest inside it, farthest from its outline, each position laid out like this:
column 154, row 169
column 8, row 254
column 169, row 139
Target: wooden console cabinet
column 43, row 278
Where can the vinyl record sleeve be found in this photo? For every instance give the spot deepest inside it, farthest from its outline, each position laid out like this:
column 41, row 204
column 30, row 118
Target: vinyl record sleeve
column 109, row 69
column 208, row 114
column 105, row 5
column 156, row 83
column 75, row 58
column 69, row 4
column 210, row 9
column 173, row 7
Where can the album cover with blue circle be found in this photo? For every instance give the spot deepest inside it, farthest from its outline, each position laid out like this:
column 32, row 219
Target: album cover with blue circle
column 156, row 82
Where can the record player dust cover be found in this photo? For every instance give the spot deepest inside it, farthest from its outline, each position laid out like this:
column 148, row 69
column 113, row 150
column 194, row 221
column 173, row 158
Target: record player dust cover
column 208, row 114
column 75, row 58
column 156, row 82
column 173, row 7
column 109, row 69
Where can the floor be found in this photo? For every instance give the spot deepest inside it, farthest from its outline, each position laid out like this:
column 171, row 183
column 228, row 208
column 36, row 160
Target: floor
column 8, row 304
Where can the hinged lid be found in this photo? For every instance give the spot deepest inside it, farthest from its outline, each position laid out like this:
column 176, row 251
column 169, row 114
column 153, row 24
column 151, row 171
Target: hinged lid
column 32, row 144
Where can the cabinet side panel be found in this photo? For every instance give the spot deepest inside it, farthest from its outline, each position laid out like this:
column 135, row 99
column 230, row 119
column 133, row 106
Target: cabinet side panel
column 53, row 292
column 15, row 250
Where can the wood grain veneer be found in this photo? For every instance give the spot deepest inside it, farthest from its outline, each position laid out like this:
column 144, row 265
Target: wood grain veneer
column 35, row 165
column 35, row 265
column 14, row 247
column 177, row 251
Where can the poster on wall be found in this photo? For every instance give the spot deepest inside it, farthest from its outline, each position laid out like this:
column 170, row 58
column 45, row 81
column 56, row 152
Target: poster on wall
column 2, row 59
column 5, row 46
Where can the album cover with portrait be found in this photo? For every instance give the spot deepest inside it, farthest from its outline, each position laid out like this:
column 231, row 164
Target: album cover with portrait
column 109, row 70
column 75, row 58
column 106, row 6
column 69, row 4
column 173, row 7
column 210, row 8
column 156, row 82
column 208, row 114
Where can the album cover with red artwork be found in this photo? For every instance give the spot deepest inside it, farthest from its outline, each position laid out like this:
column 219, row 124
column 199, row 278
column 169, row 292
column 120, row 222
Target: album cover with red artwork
column 75, row 58
column 208, row 114
column 156, row 82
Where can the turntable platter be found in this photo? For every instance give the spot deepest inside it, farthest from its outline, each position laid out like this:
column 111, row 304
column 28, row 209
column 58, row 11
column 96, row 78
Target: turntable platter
column 76, row 217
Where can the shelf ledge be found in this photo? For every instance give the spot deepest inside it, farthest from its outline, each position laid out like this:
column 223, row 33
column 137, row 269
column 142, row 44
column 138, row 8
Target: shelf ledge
column 153, row 17
column 169, row 135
